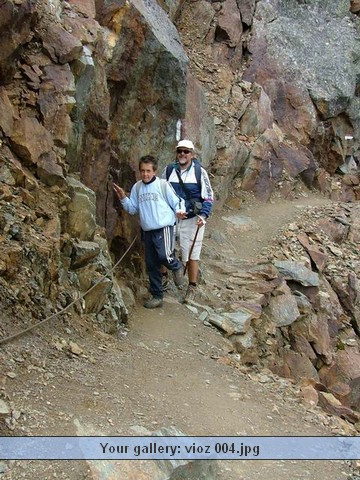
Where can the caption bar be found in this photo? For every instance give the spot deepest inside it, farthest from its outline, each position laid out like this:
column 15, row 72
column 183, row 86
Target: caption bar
column 179, row 448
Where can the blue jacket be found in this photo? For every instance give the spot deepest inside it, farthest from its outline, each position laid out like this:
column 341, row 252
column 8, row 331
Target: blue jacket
column 200, row 193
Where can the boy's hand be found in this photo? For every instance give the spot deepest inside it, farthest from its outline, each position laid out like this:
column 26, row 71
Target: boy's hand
column 119, row 192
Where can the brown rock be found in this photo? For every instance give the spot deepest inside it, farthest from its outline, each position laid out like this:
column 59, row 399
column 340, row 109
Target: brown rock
column 354, row 234
column 319, row 336
column 257, row 176
column 309, row 396
column 84, row 29
column 347, row 290
column 322, row 181
column 257, row 118
column 87, row 7
column 29, row 199
column 352, row 400
column 348, row 361
column 7, row 113
column 33, row 73
column 58, row 79
column 316, row 255
column 302, row 345
column 23, row 177
column 340, row 390
column 254, row 308
column 341, row 374
column 229, row 27
column 336, row 231
column 6, row 193
column 15, row 30
column 11, row 255
column 75, row 349
column 266, row 270
column 297, row 161
column 331, row 405
column 61, row 45
column 300, row 366
column 351, row 179
column 30, row 139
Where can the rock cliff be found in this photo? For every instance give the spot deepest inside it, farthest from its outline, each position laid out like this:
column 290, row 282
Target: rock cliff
column 267, row 90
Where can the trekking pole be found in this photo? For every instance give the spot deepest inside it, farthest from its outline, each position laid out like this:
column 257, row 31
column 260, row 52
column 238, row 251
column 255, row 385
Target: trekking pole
column 193, row 243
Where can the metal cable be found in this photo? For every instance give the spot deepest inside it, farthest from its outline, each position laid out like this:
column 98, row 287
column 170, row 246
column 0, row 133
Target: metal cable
column 16, row 335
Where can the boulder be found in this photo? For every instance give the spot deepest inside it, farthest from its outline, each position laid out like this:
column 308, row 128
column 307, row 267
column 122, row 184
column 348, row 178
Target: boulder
column 296, row 272
column 81, row 212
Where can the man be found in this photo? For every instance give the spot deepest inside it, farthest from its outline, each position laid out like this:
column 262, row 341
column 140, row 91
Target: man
column 158, row 205
column 191, row 182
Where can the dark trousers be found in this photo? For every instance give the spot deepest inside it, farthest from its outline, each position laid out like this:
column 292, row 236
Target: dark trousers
column 159, row 250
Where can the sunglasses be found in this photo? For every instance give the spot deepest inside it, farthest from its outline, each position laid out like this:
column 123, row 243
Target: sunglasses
column 183, row 151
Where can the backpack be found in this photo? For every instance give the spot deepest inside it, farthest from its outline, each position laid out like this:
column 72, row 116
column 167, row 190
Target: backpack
column 197, row 166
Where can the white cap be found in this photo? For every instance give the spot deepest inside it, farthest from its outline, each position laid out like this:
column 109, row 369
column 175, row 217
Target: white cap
column 185, row 144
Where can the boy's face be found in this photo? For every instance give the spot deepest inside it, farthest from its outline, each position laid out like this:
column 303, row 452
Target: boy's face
column 147, row 171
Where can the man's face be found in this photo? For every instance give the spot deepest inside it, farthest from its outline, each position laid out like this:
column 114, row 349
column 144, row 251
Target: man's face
column 147, row 171
column 183, row 156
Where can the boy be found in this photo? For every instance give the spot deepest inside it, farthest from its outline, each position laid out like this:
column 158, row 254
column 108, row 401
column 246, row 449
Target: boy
column 158, row 206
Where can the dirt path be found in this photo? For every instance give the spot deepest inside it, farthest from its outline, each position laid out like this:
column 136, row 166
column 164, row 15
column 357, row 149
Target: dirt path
column 165, row 372
column 202, row 396
column 256, row 224
column 168, row 369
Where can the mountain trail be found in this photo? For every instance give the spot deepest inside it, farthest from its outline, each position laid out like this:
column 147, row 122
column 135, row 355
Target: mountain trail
column 165, row 369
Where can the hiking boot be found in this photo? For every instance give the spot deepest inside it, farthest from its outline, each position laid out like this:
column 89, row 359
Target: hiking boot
column 179, row 277
column 153, row 302
column 165, row 282
column 191, row 294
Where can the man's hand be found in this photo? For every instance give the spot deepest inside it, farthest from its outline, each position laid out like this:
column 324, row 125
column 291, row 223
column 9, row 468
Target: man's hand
column 181, row 215
column 201, row 221
column 119, row 191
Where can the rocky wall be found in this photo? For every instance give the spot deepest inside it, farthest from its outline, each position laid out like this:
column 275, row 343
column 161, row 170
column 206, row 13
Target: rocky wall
column 281, row 79
column 86, row 88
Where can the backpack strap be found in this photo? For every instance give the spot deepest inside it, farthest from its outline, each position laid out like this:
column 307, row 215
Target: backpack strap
column 137, row 186
column 183, row 186
column 163, row 183
column 197, row 166
column 169, row 169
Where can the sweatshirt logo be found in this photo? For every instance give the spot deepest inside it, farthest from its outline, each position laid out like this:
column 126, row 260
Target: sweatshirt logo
column 149, row 197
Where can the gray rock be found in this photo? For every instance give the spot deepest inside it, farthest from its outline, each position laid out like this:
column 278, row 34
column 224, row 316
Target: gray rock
column 81, row 221
column 283, row 309
column 6, row 176
column 83, row 253
column 297, row 272
column 4, row 408
column 232, row 323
